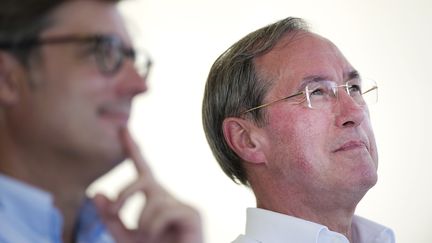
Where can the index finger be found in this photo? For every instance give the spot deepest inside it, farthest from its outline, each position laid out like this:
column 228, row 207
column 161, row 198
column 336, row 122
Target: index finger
column 133, row 152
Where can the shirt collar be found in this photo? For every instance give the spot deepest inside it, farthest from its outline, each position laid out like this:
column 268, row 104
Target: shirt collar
column 30, row 205
column 268, row 226
column 365, row 230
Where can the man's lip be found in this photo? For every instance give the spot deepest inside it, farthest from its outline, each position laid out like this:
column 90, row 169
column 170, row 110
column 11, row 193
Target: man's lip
column 116, row 116
column 350, row 145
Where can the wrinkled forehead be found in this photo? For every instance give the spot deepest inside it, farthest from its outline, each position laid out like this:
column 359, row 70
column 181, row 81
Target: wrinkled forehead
column 87, row 17
column 301, row 54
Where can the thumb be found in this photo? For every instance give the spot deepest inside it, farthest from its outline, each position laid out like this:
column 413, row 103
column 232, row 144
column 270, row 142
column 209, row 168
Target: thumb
column 103, row 205
column 111, row 218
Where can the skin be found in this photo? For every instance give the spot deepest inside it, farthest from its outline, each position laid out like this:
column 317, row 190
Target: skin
column 314, row 164
column 62, row 115
column 163, row 219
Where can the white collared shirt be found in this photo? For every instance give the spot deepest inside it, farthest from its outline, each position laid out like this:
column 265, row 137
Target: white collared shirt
column 264, row 226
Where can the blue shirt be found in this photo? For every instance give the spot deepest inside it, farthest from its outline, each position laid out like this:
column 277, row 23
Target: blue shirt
column 28, row 215
column 263, row 226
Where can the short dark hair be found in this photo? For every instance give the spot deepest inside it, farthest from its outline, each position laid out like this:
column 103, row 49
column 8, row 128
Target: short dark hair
column 20, row 19
column 234, row 85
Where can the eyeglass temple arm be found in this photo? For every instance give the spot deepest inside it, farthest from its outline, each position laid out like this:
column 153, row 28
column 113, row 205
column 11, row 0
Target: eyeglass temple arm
column 369, row 90
column 272, row 102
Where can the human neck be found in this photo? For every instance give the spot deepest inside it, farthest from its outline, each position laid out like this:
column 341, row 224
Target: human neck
column 334, row 211
column 47, row 171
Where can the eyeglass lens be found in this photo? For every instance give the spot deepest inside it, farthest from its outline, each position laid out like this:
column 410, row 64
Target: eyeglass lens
column 111, row 54
column 323, row 93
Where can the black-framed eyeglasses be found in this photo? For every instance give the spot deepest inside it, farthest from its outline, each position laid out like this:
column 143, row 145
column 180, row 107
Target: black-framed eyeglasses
column 109, row 50
column 321, row 94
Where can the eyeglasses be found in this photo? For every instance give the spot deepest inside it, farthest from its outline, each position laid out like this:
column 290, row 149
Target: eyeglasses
column 109, row 51
column 322, row 94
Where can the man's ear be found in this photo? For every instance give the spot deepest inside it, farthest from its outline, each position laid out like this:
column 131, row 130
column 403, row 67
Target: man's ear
column 8, row 79
column 244, row 138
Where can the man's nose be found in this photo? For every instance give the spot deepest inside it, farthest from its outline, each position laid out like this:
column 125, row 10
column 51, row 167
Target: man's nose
column 348, row 112
column 131, row 82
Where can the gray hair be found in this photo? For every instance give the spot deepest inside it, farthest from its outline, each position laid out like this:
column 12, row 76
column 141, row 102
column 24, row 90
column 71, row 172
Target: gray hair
column 234, row 85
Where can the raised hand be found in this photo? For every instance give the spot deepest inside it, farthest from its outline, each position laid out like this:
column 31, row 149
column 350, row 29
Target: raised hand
column 163, row 219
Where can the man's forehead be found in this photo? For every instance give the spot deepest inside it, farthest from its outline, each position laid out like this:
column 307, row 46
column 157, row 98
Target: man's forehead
column 303, row 42
column 86, row 17
column 301, row 54
column 300, row 46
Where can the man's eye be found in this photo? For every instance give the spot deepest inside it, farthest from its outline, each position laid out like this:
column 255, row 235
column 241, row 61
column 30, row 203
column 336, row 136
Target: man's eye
column 103, row 47
column 87, row 50
column 355, row 88
column 91, row 47
column 318, row 91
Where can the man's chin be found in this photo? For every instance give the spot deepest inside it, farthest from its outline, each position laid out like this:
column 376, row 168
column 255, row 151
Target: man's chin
column 365, row 183
column 107, row 157
column 105, row 167
column 115, row 158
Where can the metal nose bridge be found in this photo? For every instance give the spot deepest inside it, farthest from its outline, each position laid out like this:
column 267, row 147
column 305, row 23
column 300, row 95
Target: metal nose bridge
column 335, row 90
column 336, row 93
column 338, row 97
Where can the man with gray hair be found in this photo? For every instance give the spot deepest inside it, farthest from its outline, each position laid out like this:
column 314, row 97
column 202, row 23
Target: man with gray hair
column 68, row 75
column 287, row 115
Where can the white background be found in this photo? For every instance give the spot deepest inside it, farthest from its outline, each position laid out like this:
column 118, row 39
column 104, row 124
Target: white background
column 387, row 40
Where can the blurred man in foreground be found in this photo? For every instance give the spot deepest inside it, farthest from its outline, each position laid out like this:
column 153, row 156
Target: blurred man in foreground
column 68, row 74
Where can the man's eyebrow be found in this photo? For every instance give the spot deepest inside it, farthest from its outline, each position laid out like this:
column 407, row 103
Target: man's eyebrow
column 310, row 79
column 354, row 74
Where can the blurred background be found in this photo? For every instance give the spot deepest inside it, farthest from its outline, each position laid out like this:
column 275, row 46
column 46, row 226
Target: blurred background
column 386, row 40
